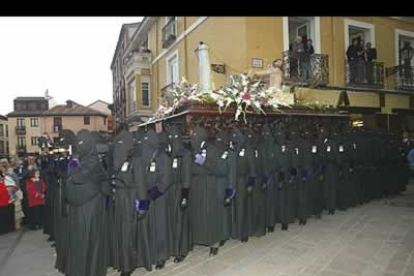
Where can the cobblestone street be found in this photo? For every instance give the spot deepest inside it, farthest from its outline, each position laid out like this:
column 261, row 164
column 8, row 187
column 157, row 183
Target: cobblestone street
column 376, row 239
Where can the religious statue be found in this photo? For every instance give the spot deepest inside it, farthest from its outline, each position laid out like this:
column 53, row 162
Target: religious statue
column 275, row 73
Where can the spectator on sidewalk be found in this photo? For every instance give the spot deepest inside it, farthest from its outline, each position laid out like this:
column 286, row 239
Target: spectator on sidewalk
column 7, row 222
column 36, row 189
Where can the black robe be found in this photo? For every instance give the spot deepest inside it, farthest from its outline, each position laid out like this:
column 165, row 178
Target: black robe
column 343, row 190
column 142, row 237
column 308, row 176
column 158, row 180
column 267, row 152
column 87, row 244
column 243, row 222
column 259, row 194
column 298, row 186
column 330, row 152
column 283, row 162
column 179, row 223
column 122, row 220
column 226, row 162
column 206, row 203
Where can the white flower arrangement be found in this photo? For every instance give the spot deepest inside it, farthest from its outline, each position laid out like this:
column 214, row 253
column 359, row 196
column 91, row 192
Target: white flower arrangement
column 242, row 92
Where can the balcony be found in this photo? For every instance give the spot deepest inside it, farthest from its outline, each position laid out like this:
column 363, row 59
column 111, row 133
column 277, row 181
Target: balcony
column 306, row 70
column 57, row 128
column 20, row 130
column 360, row 73
column 169, row 34
column 405, row 78
column 21, row 148
column 137, row 59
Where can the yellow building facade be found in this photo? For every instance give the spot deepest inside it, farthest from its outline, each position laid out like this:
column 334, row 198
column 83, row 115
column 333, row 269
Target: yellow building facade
column 246, row 44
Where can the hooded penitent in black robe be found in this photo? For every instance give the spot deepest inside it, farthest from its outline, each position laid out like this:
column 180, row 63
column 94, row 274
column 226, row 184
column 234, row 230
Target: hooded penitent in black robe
column 283, row 162
column 142, row 238
column 259, row 192
column 67, row 139
column 225, row 180
column 307, row 176
column 298, row 195
column 267, row 152
column 352, row 170
column 48, row 173
column 179, row 224
column 87, row 244
column 206, row 203
column 343, row 191
column 243, row 225
column 123, row 217
column 330, row 151
column 158, row 181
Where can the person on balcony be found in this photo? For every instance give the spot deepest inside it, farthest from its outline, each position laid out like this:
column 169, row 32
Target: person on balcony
column 307, row 60
column 361, row 61
column 351, row 54
column 371, row 56
column 407, row 53
column 296, row 58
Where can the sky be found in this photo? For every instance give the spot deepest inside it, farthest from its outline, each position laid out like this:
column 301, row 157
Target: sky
column 69, row 56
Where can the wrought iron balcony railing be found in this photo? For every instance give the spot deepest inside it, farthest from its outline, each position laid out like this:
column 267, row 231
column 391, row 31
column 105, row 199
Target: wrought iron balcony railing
column 405, row 78
column 21, row 148
column 137, row 59
column 20, row 130
column 169, row 33
column 361, row 73
column 305, row 69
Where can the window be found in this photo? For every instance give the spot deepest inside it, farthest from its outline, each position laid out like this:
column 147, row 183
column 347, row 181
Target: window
column 86, row 120
column 57, row 121
column 133, row 95
column 168, row 19
column 404, row 50
column 145, row 44
column 169, row 32
column 7, row 131
column 1, row 130
column 359, row 30
column 145, row 89
column 104, row 121
column 7, row 147
column 172, row 69
column 2, row 151
column 21, row 141
column 34, row 122
column 20, row 123
column 304, row 27
column 34, row 140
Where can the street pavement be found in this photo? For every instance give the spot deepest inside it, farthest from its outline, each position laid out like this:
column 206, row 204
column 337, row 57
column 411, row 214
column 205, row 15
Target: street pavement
column 376, row 239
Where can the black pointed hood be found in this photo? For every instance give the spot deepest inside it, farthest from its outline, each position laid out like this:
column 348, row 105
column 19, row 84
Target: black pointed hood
column 176, row 140
column 122, row 147
column 86, row 143
column 137, row 142
column 237, row 139
column 151, row 140
column 67, row 138
column 222, row 140
column 198, row 136
column 267, row 134
column 280, row 137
